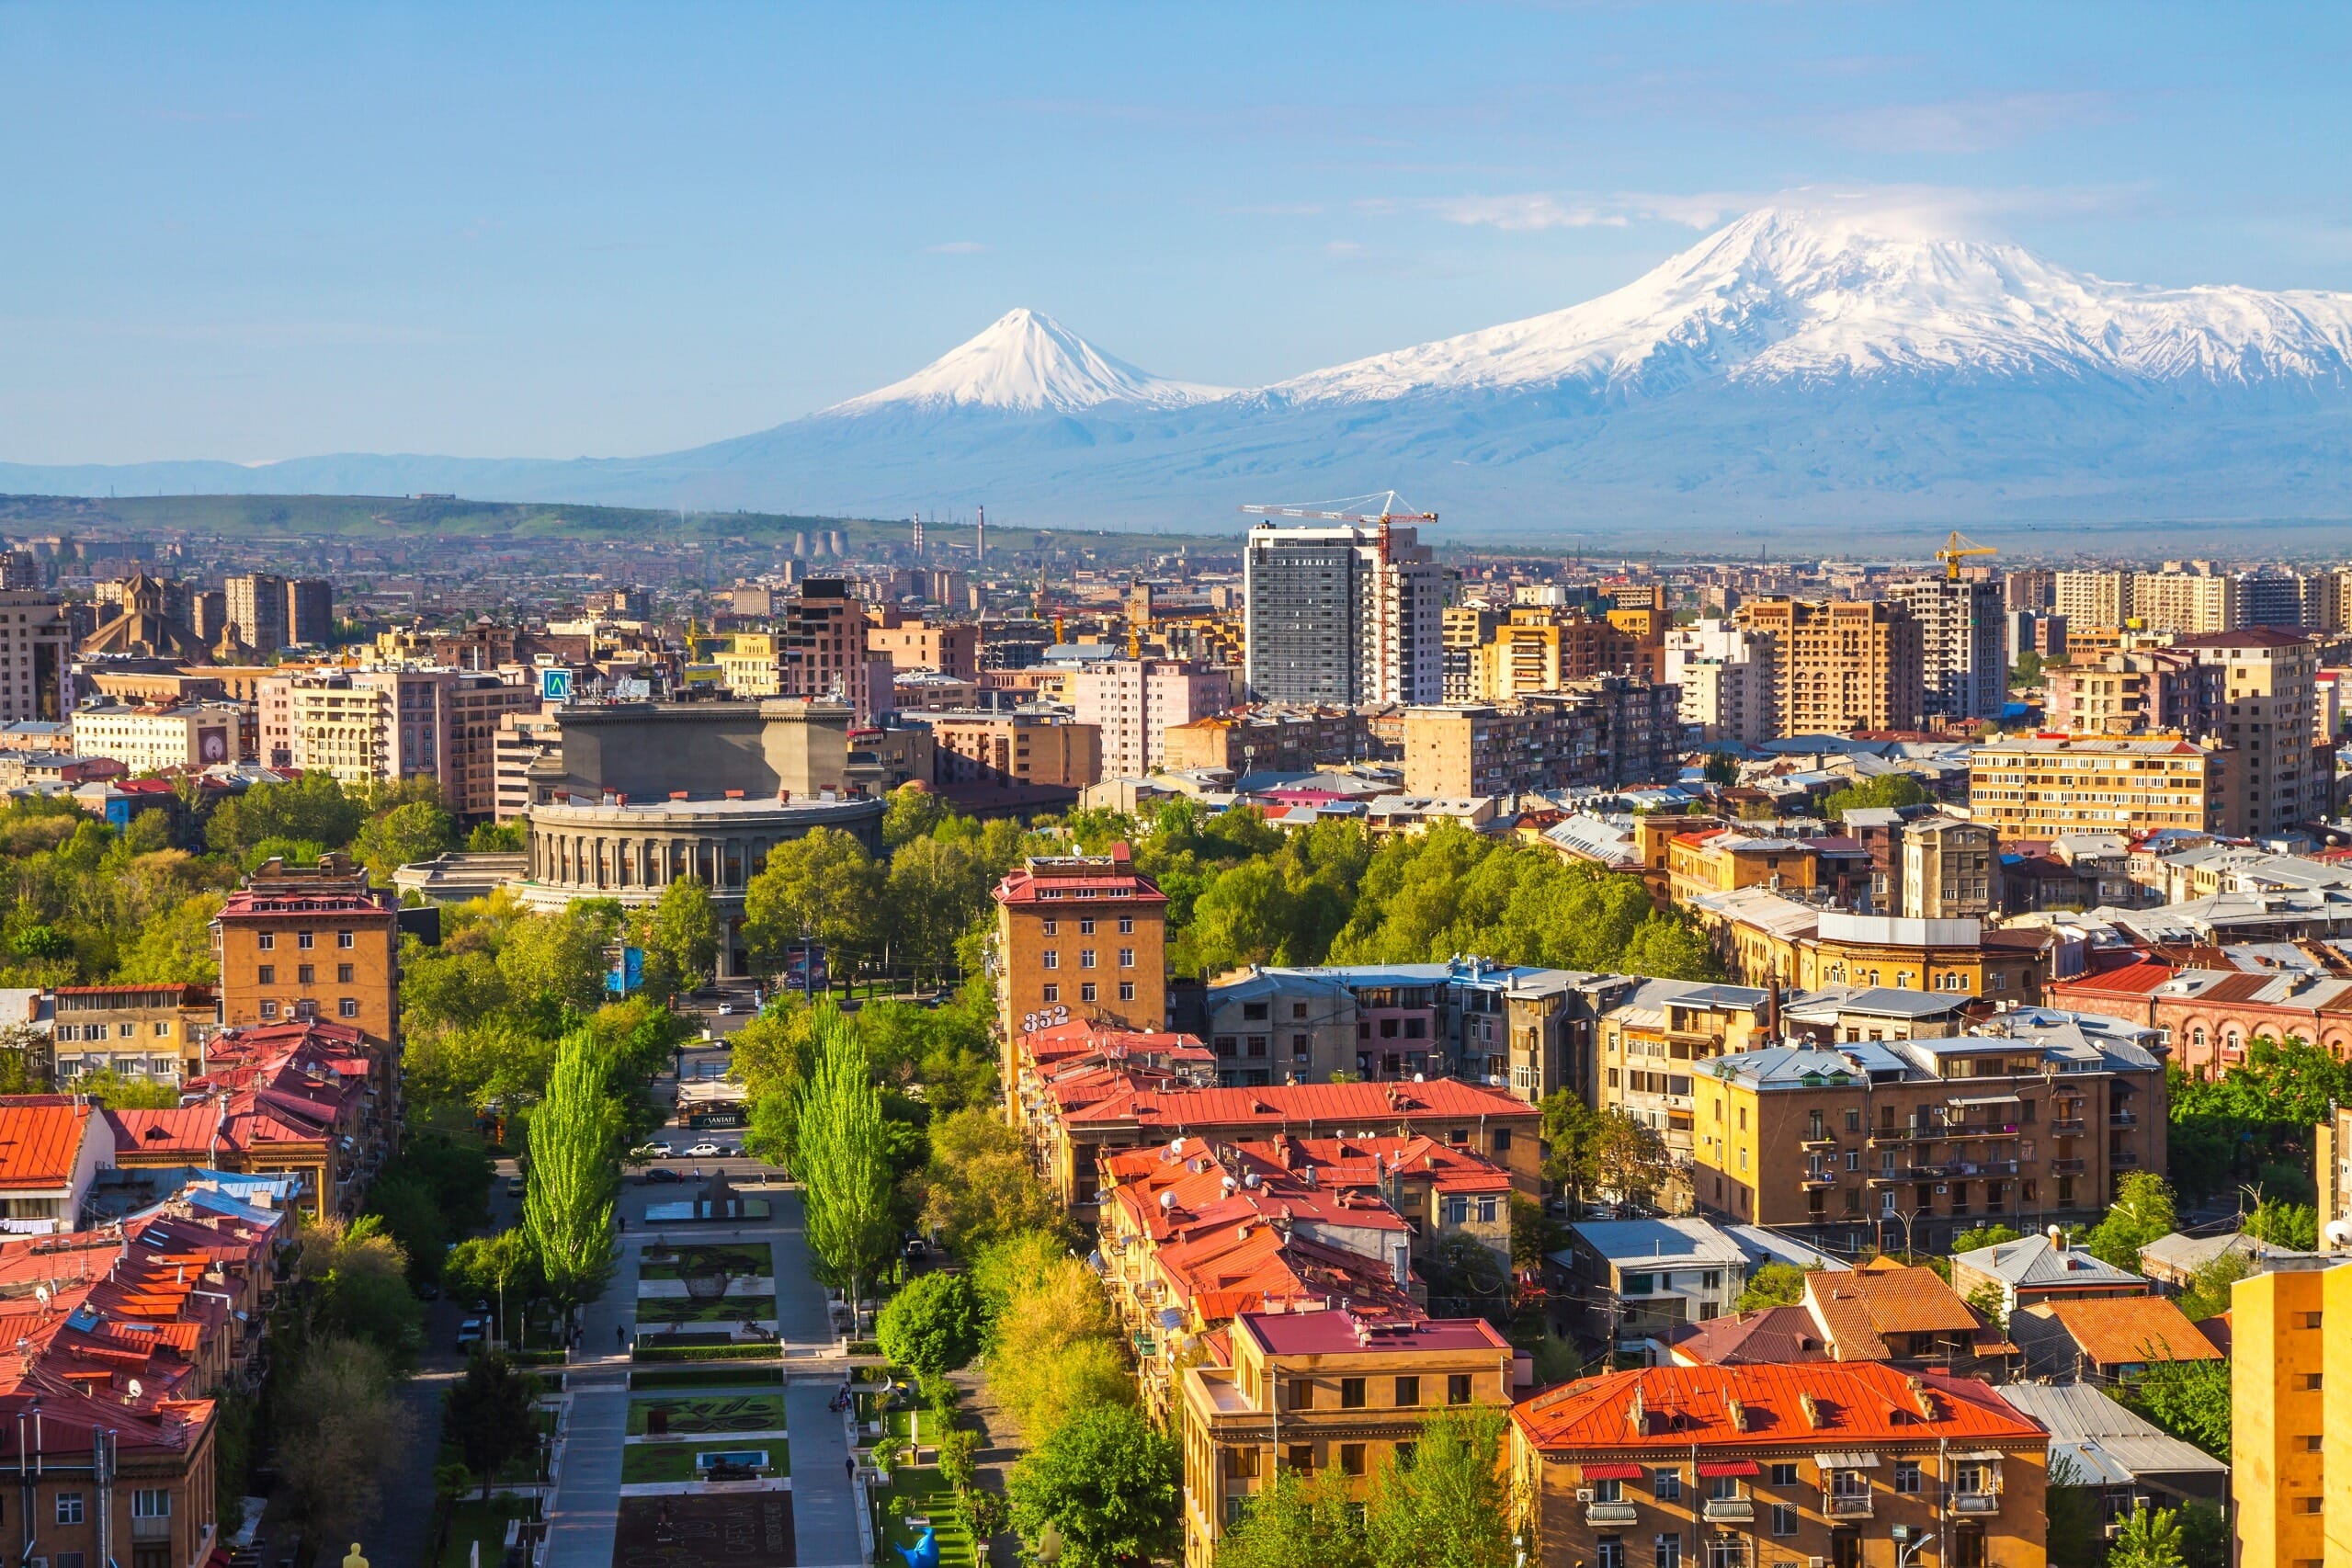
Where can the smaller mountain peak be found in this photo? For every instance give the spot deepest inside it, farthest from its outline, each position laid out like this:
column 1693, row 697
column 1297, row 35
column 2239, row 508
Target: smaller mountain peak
column 1026, row 363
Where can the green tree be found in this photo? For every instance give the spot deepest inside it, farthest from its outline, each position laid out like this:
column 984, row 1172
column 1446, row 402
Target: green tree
column 933, row 1325
column 912, row 811
column 2027, row 671
column 1990, row 1235
column 1448, row 1505
column 823, row 887
column 2284, row 1224
column 2076, row 1518
column 574, row 1173
column 1570, row 1128
column 1989, row 1304
column 841, row 1155
column 173, row 947
column 1107, row 1483
column 560, row 955
column 312, row 807
column 335, row 1419
column 492, row 1267
column 488, row 1417
column 1887, row 789
column 2189, row 1398
column 1290, row 1521
column 360, row 1280
column 403, row 835
column 2208, row 1289
column 509, row 838
column 2204, row 1534
column 1773, row 1285
column 934, row 890
column 1630, row 1160
column 1721, row 768
column 979, row 1186
column 679, row 935
column 2149, row 1538
column 2142, row 1212
column 116, row 1092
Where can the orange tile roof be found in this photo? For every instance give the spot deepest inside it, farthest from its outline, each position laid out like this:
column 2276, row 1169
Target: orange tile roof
column 40, row 1136
column 1684, row 1408
column 2120, row 1330
column 1896, row 1300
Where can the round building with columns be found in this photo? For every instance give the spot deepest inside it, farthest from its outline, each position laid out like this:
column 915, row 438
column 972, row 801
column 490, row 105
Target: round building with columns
column 630, row 851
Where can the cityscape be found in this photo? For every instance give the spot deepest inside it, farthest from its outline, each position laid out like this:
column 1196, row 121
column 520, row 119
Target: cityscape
column 1741, row 959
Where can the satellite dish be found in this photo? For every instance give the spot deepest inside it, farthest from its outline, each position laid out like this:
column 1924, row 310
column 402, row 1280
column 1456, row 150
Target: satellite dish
column 40, row 1294
column 137, row 1388
column 2339, row 1233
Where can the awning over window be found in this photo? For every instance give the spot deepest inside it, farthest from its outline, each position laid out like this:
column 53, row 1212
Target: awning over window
column 1846, row 1461
column 1710, row 1468
column 1985, row 1099
column 1981, row 1454
column 1614, row 1473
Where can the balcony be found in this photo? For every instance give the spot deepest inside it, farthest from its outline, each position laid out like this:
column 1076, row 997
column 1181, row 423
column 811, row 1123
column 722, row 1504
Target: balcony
column 1611, row 1514
column 1984, row 1168
column 1854, row 1506
column 1817, row 1142
column 2123, row 1159
column 1978, row 1130
column 1893, row 1135
column 1976, row 1501
column 1816, row 1181
column 152, row 1530
column 2066, row 1125
column 2065, row 1167
column 1730, row 1510
column 2123, row 1119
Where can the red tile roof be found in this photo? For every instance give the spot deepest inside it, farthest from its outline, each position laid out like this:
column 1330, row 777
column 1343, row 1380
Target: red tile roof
column 2125, row 1330
column 1361, row 1105
column 1684, row 1408
column 2135, row 979
column 1343, row 1332
column 1775, row 1335
column 41, row 1138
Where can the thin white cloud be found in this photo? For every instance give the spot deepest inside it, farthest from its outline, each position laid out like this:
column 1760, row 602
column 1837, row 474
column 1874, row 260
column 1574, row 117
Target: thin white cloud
column 1530, row 212
column 1937, row 209
column 957, row 247
column 1961, row 125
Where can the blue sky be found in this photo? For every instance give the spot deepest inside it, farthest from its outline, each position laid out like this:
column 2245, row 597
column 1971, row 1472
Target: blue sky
column 257, row 233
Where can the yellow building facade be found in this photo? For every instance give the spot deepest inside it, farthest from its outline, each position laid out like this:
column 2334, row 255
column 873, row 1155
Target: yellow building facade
column 2290, row 1392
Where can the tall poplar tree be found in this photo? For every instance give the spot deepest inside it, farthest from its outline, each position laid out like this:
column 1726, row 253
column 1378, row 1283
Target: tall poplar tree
column 841, row 1155
column 574, row 1173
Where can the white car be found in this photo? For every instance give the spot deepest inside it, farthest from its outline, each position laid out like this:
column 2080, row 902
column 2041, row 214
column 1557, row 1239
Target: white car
column 655, row 1151
column 708, row 1151
column 726, row 1009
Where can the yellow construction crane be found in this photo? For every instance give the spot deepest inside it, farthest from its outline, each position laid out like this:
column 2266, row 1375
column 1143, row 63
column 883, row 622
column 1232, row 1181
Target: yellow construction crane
column 1956, row 549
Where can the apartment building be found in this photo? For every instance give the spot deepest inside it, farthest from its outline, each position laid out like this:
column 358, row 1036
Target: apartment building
column 1132, row 703
column 1272, row 740
column 2042, row 786
column 2186, row 602
column 1723, row 859
column 257, row 610
column 2131, row 691
column 1851, row 1464
column 1079, row 937
column 310, row 942
column 1651, row 1036
column 1541, row 649
column 140, row 1031
column 1951, row 869
column 36, row 658
column 2030, row 1119
column 2291, row 1398
column 1463, row 629
column 913, row 644
column 154, row 738
column 2257, row 700
column 999, row 749
column 310, row 611
column 1841, row 665
column 1964, row 652
column 1321, row 1394
column 1343, row 616
column 479, row 703
column 2088, row 599
column 523, row 742
column 1608, row 731
column 1726, row 674
column 360, row 726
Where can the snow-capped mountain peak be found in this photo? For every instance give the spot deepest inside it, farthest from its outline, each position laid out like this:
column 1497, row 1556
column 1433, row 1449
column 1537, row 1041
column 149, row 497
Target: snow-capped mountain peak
column 1788, row 295
column 1027, row 363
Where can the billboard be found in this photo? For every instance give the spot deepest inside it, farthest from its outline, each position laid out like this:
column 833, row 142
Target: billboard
column 554, row 684
column 628, row 973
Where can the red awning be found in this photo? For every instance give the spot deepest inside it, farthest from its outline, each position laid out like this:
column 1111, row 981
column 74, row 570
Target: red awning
column 1614, row 1473
column 1709, row 1468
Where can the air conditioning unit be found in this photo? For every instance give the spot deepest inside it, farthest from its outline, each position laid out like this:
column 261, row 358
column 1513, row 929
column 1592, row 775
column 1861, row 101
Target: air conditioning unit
column 1816, row 1563
column 1942, row 1187
column 1584, row 1495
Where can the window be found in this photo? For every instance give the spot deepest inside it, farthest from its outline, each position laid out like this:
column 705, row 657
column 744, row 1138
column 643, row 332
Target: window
column 1050, row 959
column 1127, row 958
column 305, row 974
column 1970, row 1476
column 349, row 1008
column 1351, row 1393
column 266, row 941
column 1853, row 1120
column 1665, row 1485
column 2311, row 1505
column 1906, row 1477
column 1127, row 990
column 1502, row 1140
column 1456, row 1388
column 1609, row 1551
column 270, row 1009
column 69, row 1507
column 1054, row 928
column 1241, row 1463
column 1086, row 992
column 1608, row 1491
column 1669, row 1548
column 344, row 939
column 2311, row 1442
column 150, row 1503
column 1722, row 1488
column 1086, row 926
column 306, row 941
column 1784, row 1519
column 1127, row 925
column 1086, row 957
column 2312, row 1380
column 1050, row 993
column 1784, row 1475
column 163, row 1030
column 1298, row 1393
column 344, row 973
column 1351, row 1459
column 1405, row 1454
column 1300, row 1457
column 2311, row 1320
column 265, row 974
column 1408, row 1392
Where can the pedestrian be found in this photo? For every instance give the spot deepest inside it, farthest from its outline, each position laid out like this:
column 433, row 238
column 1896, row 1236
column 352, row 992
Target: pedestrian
column 850, row 1464
column 621, row 1336
column 622, row 1220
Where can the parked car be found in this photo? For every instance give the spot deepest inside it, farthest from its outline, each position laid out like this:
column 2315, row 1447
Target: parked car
column 706, row 1150
column 473, row 1332
column 660, row 1174
column 514, row 1186
column 428, row 1291
column 725, row 1008
column 661, row 1151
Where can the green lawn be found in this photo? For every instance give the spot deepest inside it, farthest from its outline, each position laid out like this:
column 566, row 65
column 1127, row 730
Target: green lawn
column 926, row 1492
column 523, row 1472
column 685, row 1309
column 474, row 1521
column 707, row 1414
column 739, row 1258
column 675, row 1461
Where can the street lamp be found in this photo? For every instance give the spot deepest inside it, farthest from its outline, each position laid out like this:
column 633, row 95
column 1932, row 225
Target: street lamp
column 1908, row 1545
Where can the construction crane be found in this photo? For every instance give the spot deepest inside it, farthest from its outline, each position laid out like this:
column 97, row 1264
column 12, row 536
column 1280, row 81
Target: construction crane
column 1956, row 549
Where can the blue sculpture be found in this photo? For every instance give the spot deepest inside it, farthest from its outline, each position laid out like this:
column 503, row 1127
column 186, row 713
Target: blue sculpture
column 924, row 1553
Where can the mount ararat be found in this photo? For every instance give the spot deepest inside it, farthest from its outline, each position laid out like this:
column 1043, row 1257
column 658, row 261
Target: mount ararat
column 1795, row 368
